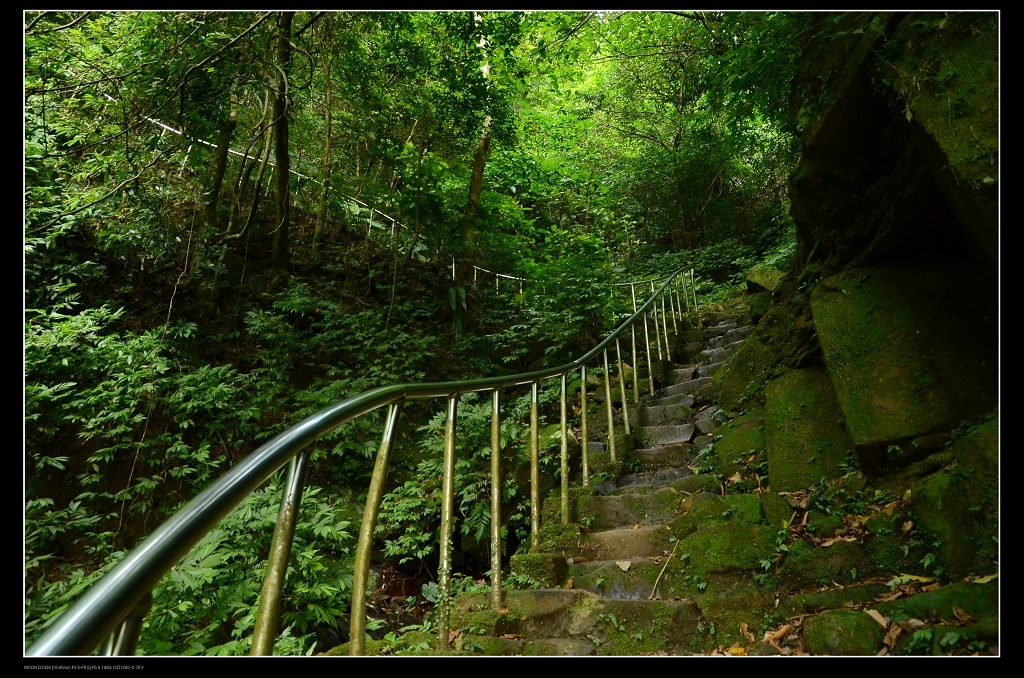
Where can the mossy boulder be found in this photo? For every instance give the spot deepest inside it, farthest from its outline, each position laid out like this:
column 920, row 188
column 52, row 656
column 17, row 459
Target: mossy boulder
column 736, row 441
column 958, row 506
column 728, row 609
column 806, row 436
column 783, row 337
column 842, row 632
column 730, row 545
column 764, row 279
column 900, row 366
column 548, row 569
column 953, row 100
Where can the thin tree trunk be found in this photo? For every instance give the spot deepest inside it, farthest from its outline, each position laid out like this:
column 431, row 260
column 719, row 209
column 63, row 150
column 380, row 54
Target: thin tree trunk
column 476, row 184
column 279, row 256
column 321, row 212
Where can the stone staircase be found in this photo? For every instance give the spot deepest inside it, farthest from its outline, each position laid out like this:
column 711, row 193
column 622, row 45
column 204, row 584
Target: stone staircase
column 619, row 585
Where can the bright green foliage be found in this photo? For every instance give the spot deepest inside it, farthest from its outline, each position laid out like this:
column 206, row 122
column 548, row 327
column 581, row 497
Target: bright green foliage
column 410, row 515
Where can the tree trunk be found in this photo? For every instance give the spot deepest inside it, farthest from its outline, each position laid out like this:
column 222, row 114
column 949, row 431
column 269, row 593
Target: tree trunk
column 321, row 211
column 279, row 255
column 476, row 184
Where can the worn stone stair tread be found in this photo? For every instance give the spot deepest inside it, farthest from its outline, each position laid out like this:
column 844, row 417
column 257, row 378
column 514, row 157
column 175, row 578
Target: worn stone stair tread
column 678, row 399
column 678, row 455
column 687, row 387
column 666, row 434
column 661, row 415
column 626, row 509
column 655, row 479
column 617, row 544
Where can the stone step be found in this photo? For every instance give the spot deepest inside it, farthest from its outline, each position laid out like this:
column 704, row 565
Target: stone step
column 653, row 479
column 631, row 579
column 678, row 399
column 665, row 415
column 627, row 508
column 665, row 456
column 665, row 435
column 560, row 620
column 682, row 374
column 715, row 355
column 691, row 387
column 624, row 543
column 733, row 335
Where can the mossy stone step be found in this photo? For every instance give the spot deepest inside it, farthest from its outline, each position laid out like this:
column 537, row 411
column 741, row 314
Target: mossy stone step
column 630, row 509
column 691, row 387
column 653, row 479
column 666, row 434
column 624, row 543
column 678, row 455
column 661, row 415
column 678, row 399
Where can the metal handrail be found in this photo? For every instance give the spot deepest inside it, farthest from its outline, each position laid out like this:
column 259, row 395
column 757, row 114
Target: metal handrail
column 114, row 606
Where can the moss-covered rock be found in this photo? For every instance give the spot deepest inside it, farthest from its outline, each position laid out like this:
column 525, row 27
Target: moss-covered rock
column 805, row 433
column 842, row 632
column 728, row 609
column 900, row 368
column 732, row 545
column 735, row 442
column 958, row 506
column 764, row 278
column 548, row 569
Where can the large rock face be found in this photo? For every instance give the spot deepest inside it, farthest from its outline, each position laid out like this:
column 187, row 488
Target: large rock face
column 806, row 435
column 909, row 355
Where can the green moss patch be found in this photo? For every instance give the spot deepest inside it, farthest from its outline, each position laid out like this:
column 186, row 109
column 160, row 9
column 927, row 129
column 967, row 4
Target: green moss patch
column 842, row 632
column 900, row 367
column 806, row 436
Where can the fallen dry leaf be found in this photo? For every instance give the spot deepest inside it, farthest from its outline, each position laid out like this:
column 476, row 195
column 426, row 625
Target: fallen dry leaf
column 986, row 579
column 737, row 651
column 735, row 477
column 911, row 625
column 962, row 616
column 511, row 636
column 636, row 526
column 907, row 525
column 931, row 587
column 452, row 635
column 891, row 635
column 502, row 610
column 746, row 633
column 569, row 583
column 878, row 617
column 623, row 565
column 578, row 559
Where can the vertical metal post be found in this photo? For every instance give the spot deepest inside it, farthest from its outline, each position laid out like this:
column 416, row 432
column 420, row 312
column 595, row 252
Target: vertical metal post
column 693, row 290
column 647, row 342
column 657, row 330
column 622, row 387
column 636, row 383
column 269, row 612
column 495, row 503
column 364, row 547
column 565, row 458
column 584, row 437
column 686, row 296
column 672, row 308
column 608, row 402
column 664, row 326
column 125, row 638
column 534, row 471
column 679, row 303
column 444, row 569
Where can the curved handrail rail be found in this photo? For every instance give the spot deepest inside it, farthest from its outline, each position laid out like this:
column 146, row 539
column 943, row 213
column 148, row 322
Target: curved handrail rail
column 110, row 602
